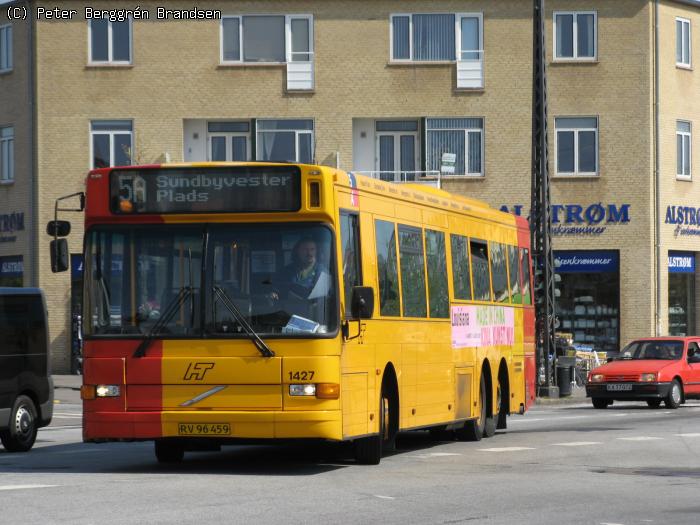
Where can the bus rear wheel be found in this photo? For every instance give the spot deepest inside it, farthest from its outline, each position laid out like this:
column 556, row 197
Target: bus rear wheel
column 169, row 452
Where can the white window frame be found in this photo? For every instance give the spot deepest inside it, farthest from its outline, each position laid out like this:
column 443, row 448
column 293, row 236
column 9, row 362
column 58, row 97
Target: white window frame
column 397, row 146
column 228, row 135
column 7, row 142
column 110, row 50
column 297, row 133
column 5, row 30
column 466, row 131
column 287, row 39
column 575, row 57
column 576, row 173
column 689, row 135
column 457, row 36
column 684, row 23
column 111, row 140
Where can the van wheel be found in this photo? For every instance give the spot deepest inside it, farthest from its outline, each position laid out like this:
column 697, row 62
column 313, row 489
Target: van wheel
column 169, row 452
column 474, row 429
column 21, row 435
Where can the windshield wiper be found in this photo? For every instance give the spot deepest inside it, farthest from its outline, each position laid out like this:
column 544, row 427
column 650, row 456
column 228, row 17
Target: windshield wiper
column 240, row 318
column 171, row 309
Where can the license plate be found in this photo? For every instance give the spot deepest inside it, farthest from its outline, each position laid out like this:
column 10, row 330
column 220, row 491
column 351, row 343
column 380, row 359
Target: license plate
column 616, row 387
column 204, row 429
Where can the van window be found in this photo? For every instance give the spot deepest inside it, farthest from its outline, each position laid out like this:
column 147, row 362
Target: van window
column 412, row 272
column 22, row 325
column 386, row 267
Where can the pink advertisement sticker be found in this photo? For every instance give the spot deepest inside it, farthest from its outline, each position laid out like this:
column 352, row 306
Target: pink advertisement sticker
column 474, row 326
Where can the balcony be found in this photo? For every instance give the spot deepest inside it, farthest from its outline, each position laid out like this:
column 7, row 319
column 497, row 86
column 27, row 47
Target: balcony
column 429, row 178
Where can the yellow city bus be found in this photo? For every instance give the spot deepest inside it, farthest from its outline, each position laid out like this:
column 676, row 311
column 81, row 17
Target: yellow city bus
column 252, row 301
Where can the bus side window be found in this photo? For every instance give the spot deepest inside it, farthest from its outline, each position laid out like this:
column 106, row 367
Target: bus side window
column 350, row 247
column 460, row 267
column 437, row 274
column 480, row 270
column 514, row 273
column 499, row 273
column 389, row 303
column 412, row 272
column 525, row 275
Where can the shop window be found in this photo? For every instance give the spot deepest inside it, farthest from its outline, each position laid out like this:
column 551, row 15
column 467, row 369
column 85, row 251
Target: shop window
column 412, row 272
column 480, row 270
column 460, row 267
column 588, row 307
column 681, row 293
column 499, row 273
column 389, row 303
column 437, row 274
column 11, row 270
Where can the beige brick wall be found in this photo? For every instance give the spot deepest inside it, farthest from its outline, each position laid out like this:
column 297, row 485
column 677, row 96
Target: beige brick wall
column 15, row 112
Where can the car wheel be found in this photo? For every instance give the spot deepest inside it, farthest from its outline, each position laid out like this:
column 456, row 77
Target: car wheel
column 169, row 452
column 600, row 403
column 475, row 429
column 21, row 434
column 654, row 403
column 675, row 395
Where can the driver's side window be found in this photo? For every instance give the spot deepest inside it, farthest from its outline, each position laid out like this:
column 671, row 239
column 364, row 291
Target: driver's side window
column 693, row 353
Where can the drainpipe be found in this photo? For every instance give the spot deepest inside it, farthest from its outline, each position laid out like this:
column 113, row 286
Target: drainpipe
column 33, row 185
column 657, row 178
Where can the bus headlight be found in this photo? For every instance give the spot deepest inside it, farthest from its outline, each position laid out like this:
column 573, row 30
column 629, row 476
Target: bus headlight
column 302, row 390
column 107, row 390
column 647, row 378
column 320, row 390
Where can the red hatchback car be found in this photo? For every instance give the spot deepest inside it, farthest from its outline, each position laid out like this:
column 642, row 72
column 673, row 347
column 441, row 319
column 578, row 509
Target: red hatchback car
column 653, row 370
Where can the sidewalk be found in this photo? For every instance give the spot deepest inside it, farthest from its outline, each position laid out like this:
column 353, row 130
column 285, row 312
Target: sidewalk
column 72, row 382
column 578, row 396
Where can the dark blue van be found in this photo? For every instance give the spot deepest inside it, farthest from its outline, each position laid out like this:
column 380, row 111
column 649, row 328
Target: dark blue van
column 26, row 387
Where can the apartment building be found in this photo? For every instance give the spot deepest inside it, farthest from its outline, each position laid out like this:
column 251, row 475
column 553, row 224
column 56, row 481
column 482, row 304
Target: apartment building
column 385, row 88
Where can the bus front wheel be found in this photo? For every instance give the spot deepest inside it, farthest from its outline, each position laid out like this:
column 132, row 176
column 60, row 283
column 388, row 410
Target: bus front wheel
column 369, row 450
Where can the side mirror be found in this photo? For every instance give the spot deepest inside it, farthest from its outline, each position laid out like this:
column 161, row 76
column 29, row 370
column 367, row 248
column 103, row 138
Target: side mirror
column 59, row 255
column 58, row 228
column 362, row 302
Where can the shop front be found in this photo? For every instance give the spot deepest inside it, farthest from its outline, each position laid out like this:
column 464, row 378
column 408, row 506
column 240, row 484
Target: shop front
column 589, row 305
column 11, row 270
column 681, row 293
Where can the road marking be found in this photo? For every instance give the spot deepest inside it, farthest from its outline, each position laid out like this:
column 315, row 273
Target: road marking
column 60, row 427
column 619, row 415
column 527, row 420
column 505, row 449
column 578, row 443
column 691, row 435
column 608, row 523
column 383, row 497
column 21, row 487
column 640, row 438
column 433, row 455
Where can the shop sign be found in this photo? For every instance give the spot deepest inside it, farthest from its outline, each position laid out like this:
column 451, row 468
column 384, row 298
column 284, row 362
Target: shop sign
column 681, row 262
column 482, row 326
column 683, row 217
column 577, row 219
column 76, row 266
column 11, row 266
column 10, row 223
column 586, row 261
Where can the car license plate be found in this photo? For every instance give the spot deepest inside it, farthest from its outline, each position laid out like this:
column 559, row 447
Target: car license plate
column 616, row 387
column 204, row 429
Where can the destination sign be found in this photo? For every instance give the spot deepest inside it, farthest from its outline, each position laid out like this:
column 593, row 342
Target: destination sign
column 236, row 189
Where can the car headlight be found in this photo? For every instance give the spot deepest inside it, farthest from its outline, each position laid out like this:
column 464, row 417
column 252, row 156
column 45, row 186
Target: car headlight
column 597, row 378
column 647, row 378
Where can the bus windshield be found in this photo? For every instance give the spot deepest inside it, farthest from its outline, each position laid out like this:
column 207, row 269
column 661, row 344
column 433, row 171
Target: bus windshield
column 279, row 278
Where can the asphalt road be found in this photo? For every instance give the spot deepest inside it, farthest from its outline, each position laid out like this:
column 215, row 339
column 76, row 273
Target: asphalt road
column 557, row 464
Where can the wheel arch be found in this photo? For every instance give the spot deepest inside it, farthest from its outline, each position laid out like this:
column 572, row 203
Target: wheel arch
column 488, row 379
column 504, row 379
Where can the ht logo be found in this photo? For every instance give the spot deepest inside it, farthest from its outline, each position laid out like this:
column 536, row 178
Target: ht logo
column 196, row 371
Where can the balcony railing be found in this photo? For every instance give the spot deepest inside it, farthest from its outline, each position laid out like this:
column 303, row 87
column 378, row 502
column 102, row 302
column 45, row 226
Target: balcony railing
column 470, row 70
column 429, row 178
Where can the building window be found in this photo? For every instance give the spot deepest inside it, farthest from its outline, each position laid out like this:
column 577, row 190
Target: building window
column 683, row 148
column 110, row 42
column 229, row 141
column 111, row 142
column 433, row 37
column 5, row 48
column 7, row 154
column 682, row 42
column 575, row 35
column 397, row 149
column 267, row 39
column 460, row 136
column 577, row 145
column 285, row 140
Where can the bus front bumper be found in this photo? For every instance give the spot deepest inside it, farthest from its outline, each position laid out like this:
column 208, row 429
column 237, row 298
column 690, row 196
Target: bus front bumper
column 124, row 426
